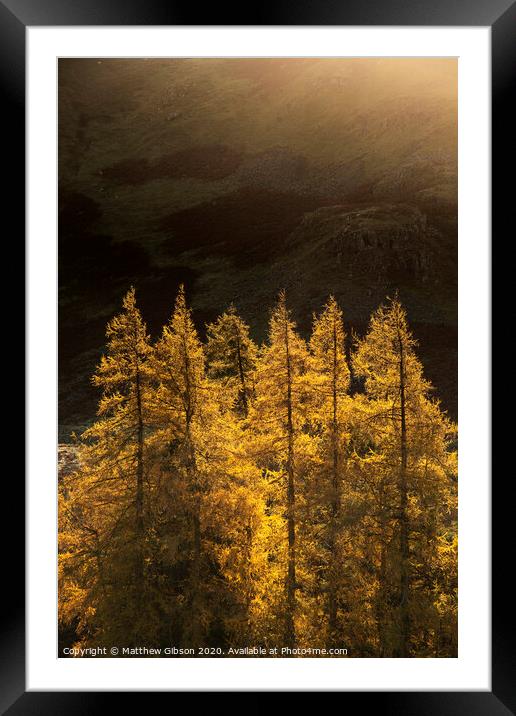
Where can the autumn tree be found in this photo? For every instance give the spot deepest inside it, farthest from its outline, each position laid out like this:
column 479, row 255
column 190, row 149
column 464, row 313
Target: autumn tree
column 182, row 402
column 279, row 415
column 107, row 506
column 242, row 538
column 211, row 509
column 231, row 356
column 412, row 466
column 329, row 384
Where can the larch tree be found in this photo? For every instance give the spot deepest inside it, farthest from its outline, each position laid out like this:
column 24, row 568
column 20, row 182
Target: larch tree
column 278, row 418
column 181, row 401
column 250, row 547
column 106, row 508
column 240, row 536
column 231, row 357
column 412, row 452
column 329, row 385
column 211, row 504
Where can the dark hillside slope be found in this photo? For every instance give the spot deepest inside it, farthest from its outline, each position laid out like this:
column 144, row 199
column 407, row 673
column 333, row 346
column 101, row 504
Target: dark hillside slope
column 241, row 177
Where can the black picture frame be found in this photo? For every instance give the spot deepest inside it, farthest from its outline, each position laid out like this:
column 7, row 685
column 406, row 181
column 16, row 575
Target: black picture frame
column 15, row 17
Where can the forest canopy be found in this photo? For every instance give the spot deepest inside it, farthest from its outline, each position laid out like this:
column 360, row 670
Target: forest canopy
column 298, row 494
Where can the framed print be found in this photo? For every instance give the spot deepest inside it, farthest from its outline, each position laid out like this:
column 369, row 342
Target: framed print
column 258, row 358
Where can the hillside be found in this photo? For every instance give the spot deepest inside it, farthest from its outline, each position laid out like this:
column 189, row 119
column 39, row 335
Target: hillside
column 241, row 177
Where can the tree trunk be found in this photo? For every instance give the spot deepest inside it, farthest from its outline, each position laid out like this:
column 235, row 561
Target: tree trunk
column 191, row 468
column 241, row 373
column 195, row 571
column 249, row 592
column 140, row 532
column 196, row 575
column 381, row 599
column 290, row 633
column 404, row 526
column 335, row 503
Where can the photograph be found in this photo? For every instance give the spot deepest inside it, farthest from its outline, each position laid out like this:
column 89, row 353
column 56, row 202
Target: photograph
column 257, row 357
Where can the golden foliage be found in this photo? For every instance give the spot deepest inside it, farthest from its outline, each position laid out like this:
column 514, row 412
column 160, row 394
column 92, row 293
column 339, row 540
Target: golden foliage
column 230, row 495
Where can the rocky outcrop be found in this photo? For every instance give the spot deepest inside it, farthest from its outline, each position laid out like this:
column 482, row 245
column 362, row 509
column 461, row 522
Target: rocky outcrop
column 379, row 242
